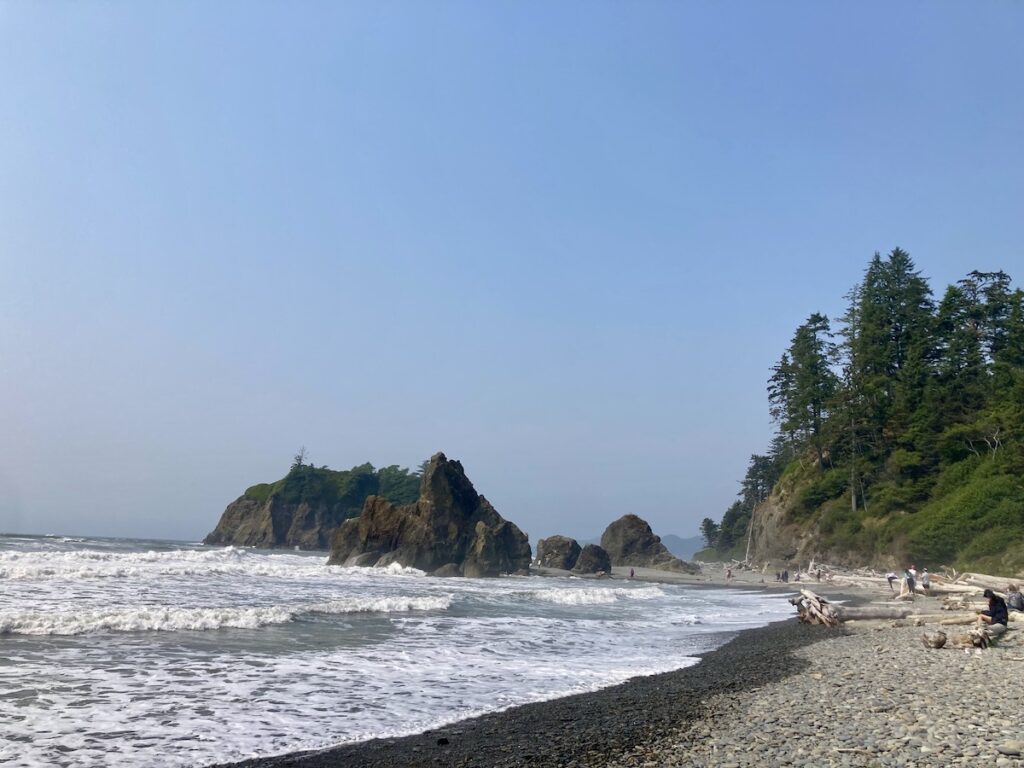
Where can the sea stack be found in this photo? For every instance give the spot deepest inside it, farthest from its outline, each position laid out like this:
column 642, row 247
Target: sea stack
column 558, row 552
column 630, row 541
column 450, row 530
column 593, row 559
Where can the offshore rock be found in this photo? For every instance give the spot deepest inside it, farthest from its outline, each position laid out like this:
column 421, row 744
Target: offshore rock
column 592, row 559
column 451, row 528
column 630, row 541
column 558, row 552
column 304, row 508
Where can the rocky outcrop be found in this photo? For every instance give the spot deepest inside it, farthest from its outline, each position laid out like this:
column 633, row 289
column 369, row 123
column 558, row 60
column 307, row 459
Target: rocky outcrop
column 593, row 559
column 630, row 541
column 274, row 522
column 558, row 552
column 450, row 530
column 304, row 508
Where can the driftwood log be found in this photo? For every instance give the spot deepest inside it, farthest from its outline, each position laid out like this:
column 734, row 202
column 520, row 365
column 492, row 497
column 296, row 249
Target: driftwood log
column 812, row 609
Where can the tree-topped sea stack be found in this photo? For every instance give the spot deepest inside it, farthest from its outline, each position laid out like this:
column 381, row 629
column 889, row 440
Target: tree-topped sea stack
column 630, row 541
column 451, row 529
column 304, row 508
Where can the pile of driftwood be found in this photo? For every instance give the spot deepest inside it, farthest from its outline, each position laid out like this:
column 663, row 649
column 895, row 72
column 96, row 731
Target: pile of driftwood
column 814, row 609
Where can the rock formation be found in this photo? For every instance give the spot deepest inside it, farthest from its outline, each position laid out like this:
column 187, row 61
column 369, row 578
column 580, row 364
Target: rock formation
column 304, row 508
column 274, row 522
column 593, row 559
column 450, row 530
column 558, row 552
column 630, row 541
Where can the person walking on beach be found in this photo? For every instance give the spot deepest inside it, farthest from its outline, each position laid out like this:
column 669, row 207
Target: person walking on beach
column 631, row 573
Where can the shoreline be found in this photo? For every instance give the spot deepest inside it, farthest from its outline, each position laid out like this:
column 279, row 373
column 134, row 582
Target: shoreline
column 866, row 694
column 594, row 728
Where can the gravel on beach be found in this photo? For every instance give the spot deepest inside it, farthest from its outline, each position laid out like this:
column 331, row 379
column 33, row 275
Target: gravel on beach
column 868, row 694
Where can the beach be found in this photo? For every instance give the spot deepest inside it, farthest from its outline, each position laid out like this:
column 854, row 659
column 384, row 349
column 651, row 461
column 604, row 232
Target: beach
column 868, row 693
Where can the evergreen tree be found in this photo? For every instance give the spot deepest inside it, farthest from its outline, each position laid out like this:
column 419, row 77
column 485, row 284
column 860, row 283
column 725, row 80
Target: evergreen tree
column 803, row 383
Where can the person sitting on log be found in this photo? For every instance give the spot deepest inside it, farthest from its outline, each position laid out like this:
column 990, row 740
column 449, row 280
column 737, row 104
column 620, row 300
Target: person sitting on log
column 1014, row 599
column 996, row 613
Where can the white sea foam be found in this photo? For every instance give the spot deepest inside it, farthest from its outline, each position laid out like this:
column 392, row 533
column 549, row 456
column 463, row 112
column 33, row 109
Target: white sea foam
column 309, row 655
column 226, row 561
column 598, row 596
column 171, row 619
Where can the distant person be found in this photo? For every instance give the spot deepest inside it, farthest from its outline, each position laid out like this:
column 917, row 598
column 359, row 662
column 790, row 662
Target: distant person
column 1014, row 599
column 891, row 577
column 728, row 574
column 926, row 582
column 911, row 581
column 996, row 613
column 778, row 576
column 818, row 574
column 631, row 572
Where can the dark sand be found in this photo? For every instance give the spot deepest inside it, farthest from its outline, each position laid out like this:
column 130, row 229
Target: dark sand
column 587, row 729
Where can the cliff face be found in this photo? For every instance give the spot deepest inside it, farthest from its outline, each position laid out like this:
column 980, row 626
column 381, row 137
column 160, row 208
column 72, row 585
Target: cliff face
column 304, row 508
column 780, row 535
column 275, row 523
column 450, row 530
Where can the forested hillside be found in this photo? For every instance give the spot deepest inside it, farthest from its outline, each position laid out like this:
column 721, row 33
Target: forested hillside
column 899, row 430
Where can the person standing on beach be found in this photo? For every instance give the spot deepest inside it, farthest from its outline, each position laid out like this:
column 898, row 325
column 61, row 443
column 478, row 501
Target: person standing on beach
column 911, row 581
column 926, row 582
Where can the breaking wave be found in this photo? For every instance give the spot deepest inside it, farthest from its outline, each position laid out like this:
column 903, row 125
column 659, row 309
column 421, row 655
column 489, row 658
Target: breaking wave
column 169, row 619
column 599, row 596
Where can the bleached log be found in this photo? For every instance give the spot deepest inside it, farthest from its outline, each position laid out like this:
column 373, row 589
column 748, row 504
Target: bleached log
column 812, row 609
column 985, row 580
column 873, row 612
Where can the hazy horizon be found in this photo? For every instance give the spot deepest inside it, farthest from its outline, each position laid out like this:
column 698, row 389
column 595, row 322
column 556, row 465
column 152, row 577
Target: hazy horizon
column 562, row 243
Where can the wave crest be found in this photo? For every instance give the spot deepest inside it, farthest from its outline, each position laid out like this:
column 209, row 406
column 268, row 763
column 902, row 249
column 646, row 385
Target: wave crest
column 166, row 619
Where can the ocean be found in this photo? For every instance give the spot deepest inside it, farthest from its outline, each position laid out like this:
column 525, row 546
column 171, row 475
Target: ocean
column 120, row 652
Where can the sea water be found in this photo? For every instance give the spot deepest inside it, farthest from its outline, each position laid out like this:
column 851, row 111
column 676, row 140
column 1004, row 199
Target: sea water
column 117, row 652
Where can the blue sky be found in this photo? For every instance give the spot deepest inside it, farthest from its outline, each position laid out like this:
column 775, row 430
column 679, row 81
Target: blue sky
column 562, row 242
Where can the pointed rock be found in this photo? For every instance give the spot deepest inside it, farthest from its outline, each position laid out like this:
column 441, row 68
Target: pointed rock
column 450, row 526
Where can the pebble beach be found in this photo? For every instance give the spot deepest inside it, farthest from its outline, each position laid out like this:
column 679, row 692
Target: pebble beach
column 869, row 693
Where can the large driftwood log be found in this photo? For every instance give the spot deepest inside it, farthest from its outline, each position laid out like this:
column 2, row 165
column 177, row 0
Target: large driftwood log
column 812, row 609
column 873, row 612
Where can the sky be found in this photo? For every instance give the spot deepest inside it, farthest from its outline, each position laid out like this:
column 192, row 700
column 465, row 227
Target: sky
column 562, row 242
